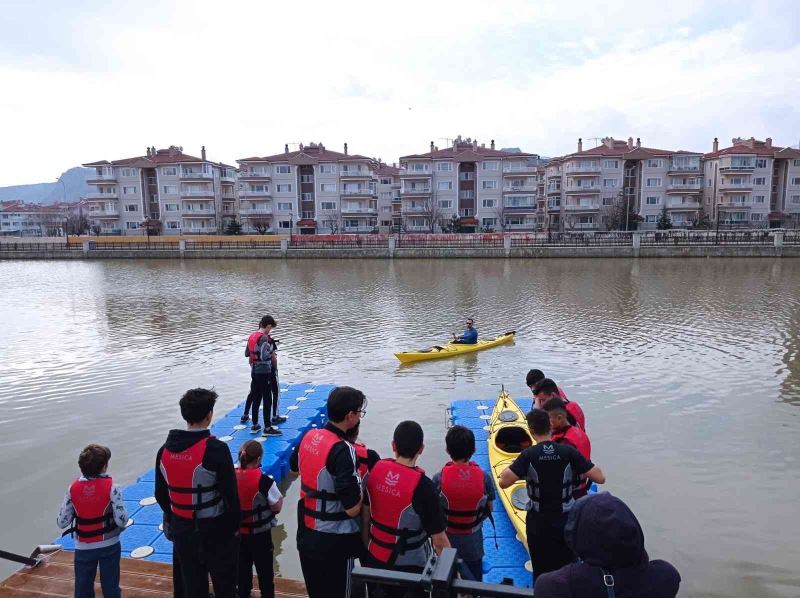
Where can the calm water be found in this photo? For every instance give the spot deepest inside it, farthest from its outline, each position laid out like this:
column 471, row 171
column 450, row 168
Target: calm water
column 687, row 370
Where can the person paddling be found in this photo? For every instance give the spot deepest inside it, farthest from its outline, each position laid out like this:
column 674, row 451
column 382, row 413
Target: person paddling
column 470, row 335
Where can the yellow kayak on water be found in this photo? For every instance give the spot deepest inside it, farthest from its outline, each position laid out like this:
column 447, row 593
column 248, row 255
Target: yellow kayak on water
column 508, row 436
column 452, row 349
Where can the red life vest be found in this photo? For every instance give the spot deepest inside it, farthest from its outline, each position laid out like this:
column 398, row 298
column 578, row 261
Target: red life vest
column 252, row 346
column 396, row 535
column 465, row 497
column 362, row 461
column 94, row 519
column 576, row 437
column 256, row 514
column 320, row 505
column 192, row 488
column 575, row 411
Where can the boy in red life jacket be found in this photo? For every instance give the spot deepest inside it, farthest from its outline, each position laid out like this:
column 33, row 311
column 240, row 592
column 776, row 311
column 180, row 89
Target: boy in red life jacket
column 545, row 389
column 366, row 458
column 401, row 510
column 466, row 493
column 93, row 506
column 263, row 361
column 261, row 500
column 564, row 433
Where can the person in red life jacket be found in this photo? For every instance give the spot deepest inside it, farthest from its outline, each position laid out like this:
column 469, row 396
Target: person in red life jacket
column 546, row 389
column 401, row 512
column 328, row 537
column 260, row 500
column 466, row 493
column 95, row 514
column 550, row 471
column 196, row 489
column 263, row 361
column 366, row 458
column 564, row 433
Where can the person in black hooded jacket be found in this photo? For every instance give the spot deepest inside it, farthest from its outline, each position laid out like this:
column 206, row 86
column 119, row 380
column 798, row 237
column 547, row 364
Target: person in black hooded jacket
column 605, row 535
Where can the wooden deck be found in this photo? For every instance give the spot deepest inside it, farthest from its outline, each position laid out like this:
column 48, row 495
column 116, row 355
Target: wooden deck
column 140, row 579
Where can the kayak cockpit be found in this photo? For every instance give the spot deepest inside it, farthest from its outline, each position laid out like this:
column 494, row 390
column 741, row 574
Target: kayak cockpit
column 512, row 439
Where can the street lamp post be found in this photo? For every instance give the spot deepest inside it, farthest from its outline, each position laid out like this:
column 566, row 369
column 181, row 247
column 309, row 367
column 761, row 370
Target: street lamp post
column 64, row 195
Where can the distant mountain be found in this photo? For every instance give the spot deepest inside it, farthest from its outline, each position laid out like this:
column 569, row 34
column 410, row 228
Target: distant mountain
column 48, row 193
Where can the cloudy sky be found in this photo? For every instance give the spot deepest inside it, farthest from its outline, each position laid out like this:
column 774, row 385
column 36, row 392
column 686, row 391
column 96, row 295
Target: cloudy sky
column 85, row 80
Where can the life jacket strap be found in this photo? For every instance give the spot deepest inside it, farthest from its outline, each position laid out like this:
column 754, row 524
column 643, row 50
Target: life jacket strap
column 195, row 490
column 196, row 507
column 324, row 515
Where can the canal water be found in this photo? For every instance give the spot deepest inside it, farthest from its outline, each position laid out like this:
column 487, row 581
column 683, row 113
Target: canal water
column 687, row 370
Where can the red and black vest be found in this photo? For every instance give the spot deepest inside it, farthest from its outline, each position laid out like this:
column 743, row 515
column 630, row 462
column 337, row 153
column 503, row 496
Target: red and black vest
column 321, row 507
column 193, row 492
column 464, row 497
column 252, row 346
column 257, row 516
column 396, row 535
column 576, row 437
column 94, row 519
column 362, row 460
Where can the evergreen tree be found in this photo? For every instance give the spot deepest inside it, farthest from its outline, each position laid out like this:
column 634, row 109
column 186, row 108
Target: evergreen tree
column 233, row 228
column 664, row 222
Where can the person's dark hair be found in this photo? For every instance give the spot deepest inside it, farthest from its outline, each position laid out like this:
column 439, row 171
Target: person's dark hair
column 538, row 421
column 545, row 385
column 93, row 459
column 533, row 377
column 197, row 403
column 344, row 400
column 352, row 434
column 408, row 439
column 267, row 321
column 555, row 405
column 249, row 453
column 460, row 443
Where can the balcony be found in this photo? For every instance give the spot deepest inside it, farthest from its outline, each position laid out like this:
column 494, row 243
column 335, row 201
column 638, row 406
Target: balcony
column 583, row 190
column 512, row 169
column 228, row 198
column 252, row 193
column 519, row 188
column 199, row 230
column 185, row 174
column 407, row 191
column 198, row 213
column 554, row 190
column 683, row 204
column 734, row 187
column 358, row 229
column 363, row 192
column 520, row 208
column 227, row 178
column 111, row 195
column 531, row 225
column 585, row 207
column 415, row 209
column 253, row 212
column 254, row 175
column 739, row 167
column 359, row 210
column 740, row 205
column 685, row 187
column 103, row 214
column 106, row 177
column 582, row 169
column 466, row 213
column 415, row 174
column 197, row 193
column 683, row 169
column 358, row 174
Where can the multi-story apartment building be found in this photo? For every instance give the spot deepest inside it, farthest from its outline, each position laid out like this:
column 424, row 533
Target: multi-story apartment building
column 388, row 188
column 20, row 219
column 751, row 183
column 311, row 190
column 582, row 188
column 470, row 185
column 189, row 195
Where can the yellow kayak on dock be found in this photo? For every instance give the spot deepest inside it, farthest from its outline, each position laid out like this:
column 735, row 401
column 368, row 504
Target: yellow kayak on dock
column 452, row 349
column 508, row 436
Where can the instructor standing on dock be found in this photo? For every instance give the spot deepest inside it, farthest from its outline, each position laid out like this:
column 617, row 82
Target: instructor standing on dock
column 263, row 361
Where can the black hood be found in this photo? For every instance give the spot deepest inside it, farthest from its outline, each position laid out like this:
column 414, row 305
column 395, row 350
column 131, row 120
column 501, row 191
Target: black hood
column 180, row 440
column 604, row 532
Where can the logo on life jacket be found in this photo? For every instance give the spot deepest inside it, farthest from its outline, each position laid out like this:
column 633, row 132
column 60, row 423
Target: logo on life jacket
column 391, row 479
column 548, row 449
column 464, row 474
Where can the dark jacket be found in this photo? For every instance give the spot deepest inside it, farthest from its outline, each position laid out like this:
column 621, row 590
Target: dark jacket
column 605, row 535
column 217, row 459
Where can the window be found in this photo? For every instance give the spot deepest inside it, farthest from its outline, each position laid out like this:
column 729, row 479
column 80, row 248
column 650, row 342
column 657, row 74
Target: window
column 386, row 195
column 553, row 203
column 171, row 207
column 305, row 196
column 285, row 224
column 306, row 178
column 650, row 218
column 489, row 184
column 760, row 180
column 586, row 220
column 489, row 221
column 466, row 176
column 488, row 203
column 608, row 201
column 761, row 163
column 386, row 181
column 444, row 166
column 351, row 223
column 170, row 189
column 131, row 207
column 755, row 217
column 444, row 186
column 173, row 225
column 419, row 167
column 258, row 188
column 128, row 172
column 131, row 225
column 654, row 182
column 491, row 165
column 654, row 163
column 653, row 200
column 170, row 171
column 446, row 204
column 283, row 169
column 466, row 194
column 610, row 163
column 519, row 201
column 328, row 205
column 796, row 199
column 328, row 187
column 795, row 181
column 609, row 183
column 286, row 188
column 327, row 168
column 284, row 206
column 129, row 190
column 758, row 198
column 797, row 162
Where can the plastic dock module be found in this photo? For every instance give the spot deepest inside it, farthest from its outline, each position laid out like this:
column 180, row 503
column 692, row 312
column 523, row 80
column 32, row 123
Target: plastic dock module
column 305, row 406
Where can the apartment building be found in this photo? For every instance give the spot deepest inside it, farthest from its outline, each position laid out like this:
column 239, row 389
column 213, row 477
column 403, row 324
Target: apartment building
column 20, row 219
column 311, row 190
column 388, row 188
column 752, row 183
column 189, row 195
column 474, row 186
column 582, row 188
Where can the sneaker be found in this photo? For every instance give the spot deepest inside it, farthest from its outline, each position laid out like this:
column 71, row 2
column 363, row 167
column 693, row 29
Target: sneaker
column 255, row 429
column 279, row 419
column 245, row 418
column 271, row 432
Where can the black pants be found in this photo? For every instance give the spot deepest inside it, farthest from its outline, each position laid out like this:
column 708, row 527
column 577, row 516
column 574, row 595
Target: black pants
column 200, row 555
column 275, row 391
column 386, row 591
column 546, row 544
column 260, row 392
column 326, row 576
column 256, row 549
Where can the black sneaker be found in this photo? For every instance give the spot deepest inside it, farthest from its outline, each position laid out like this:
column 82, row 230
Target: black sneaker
column 279, row 419
column 272, row 432
column 255, row 429
column 245, row 418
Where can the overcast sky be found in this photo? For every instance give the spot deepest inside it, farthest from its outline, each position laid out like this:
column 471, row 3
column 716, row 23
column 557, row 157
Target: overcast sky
column 83, row 80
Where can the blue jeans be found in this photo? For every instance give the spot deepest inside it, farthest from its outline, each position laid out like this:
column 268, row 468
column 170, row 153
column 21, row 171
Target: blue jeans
column 86, row 563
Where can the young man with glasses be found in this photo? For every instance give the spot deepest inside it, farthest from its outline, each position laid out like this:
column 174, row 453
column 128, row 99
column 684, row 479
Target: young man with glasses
column 470, row 336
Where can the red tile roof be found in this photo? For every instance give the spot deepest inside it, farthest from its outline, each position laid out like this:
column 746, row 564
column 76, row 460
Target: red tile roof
column 310, row 154
column 387, row 170
column 758, row 149
column 163, row 156
column 20, row 207
column 469, row 149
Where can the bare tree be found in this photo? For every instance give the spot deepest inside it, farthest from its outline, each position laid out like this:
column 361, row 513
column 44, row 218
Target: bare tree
column 499, row 213
column 77, row 224
column 432, row 212
column 261, row 225
column 331, row 219
column 620, row 213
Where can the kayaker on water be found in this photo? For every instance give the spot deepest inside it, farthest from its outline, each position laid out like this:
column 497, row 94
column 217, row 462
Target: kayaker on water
column 544, row 389
column 470, row 336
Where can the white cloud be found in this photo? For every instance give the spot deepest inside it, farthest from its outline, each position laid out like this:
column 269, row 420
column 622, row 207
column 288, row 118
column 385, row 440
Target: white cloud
column 246, row 77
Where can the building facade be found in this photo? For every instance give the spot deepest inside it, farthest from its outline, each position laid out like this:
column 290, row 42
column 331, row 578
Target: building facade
column 388, row 188
column 20, row 219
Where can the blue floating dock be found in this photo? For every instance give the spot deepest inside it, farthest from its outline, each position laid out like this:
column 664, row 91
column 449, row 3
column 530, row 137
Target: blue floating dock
column 305, row 406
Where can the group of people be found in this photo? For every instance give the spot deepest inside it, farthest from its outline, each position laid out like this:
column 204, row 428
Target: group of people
column 386, row 513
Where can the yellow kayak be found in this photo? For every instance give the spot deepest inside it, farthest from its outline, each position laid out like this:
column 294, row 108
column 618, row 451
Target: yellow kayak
column 452, row 349
column 508, row 436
